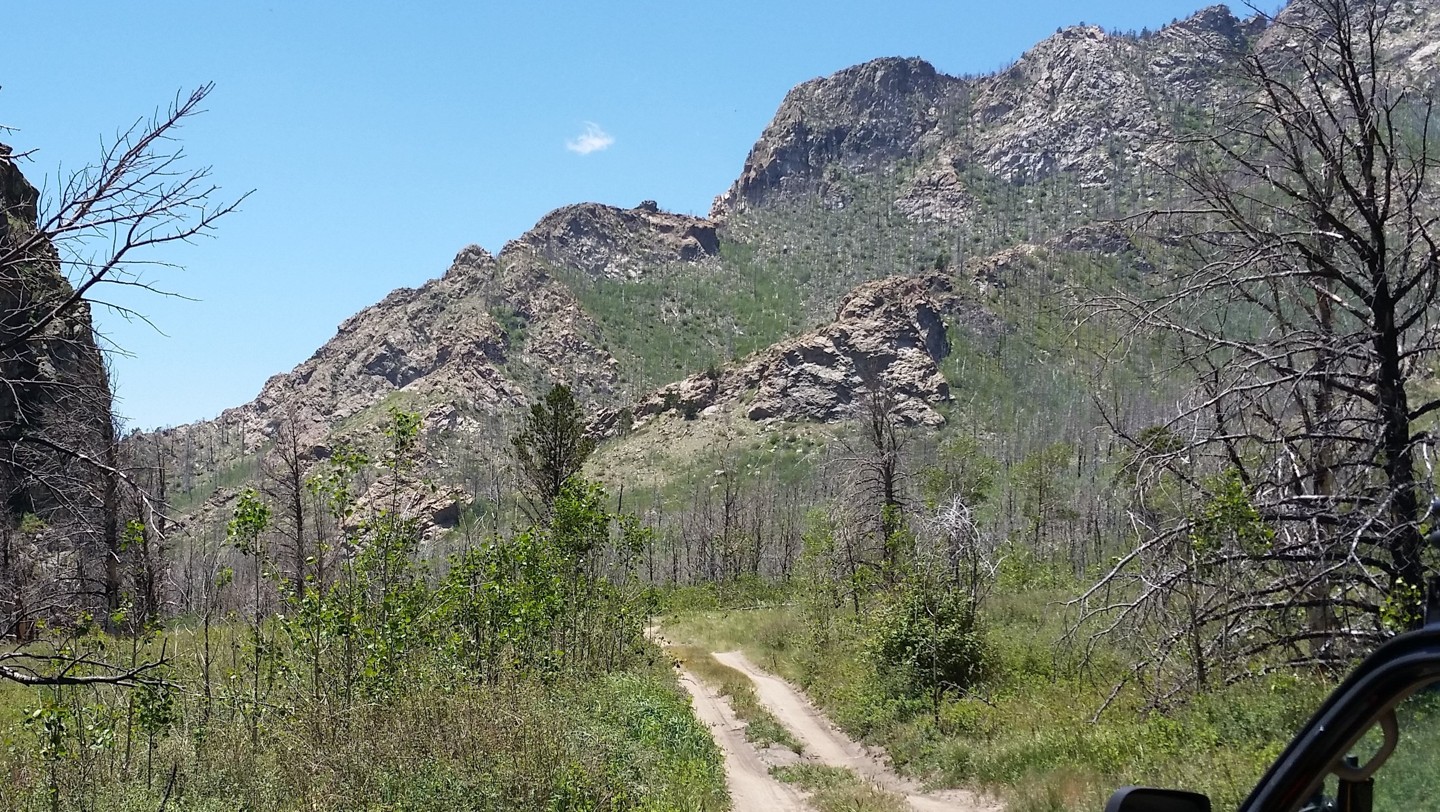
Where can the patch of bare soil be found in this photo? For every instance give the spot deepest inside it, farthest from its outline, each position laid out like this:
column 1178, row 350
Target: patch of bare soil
column 747, row 770
column 827, row 744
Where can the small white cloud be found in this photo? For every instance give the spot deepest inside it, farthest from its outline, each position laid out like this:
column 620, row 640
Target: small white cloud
column 593, row 139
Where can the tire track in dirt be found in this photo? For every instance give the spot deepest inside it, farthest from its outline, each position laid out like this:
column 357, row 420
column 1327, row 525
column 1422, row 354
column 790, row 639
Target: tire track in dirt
column 752, row 788
column 826, row 743
column 747, row 775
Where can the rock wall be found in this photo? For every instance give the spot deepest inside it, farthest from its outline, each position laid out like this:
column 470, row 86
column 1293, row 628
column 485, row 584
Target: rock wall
column 55, row 393
column 58, row 514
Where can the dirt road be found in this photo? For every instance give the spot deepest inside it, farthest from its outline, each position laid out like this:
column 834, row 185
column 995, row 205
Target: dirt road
column 827, row 744
column 746, row 775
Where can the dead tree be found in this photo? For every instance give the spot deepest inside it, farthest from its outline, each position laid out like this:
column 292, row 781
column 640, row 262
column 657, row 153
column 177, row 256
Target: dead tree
column 285, row 471
column 876, row 460
column 58, row 446
column 1302, row 307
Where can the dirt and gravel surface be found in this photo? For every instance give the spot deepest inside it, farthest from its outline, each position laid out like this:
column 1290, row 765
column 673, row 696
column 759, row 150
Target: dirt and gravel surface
column 825, row 743
column 747, row 775
column 747, row 770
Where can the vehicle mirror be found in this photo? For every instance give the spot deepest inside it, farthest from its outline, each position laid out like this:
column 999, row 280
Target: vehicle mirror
column 1149, row 799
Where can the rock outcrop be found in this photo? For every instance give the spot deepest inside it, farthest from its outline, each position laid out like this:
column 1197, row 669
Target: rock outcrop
column 54, row 391
column 860, row 119
column 58, row 528
column 465, row 350
column 603, row 241
column 1083, row 102
column 889, row 333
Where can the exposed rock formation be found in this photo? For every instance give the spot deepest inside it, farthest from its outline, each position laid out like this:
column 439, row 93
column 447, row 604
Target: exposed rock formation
column 494, row 332
column 618, row 243
column 860, row 119
column 937, row 193
column 58, row 519
column 890, row 333
column 1082, row 102
column 464, row 350
column 54, row 391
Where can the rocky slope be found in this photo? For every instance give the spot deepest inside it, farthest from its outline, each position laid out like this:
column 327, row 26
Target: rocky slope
column 940, row 163
column 55, row 389
column 891, row 333
column 1083, row 102
column 466, row 350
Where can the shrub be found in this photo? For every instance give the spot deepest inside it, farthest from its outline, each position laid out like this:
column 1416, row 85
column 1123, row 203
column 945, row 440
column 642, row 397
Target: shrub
column 928, row 640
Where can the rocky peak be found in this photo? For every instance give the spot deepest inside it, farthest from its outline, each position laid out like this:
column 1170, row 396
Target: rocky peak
column 1081, row 102
column 1187, row 58
column 858, row 118
column 1410, row 39
column 1209, row 23
column 471, row 259
column 1212, row 35
column 605, row 241
column 1063, row 107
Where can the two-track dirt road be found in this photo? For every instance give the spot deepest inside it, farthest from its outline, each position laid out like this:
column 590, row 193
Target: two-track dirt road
column 747, row 771
column 827, row 744
column 747, row 776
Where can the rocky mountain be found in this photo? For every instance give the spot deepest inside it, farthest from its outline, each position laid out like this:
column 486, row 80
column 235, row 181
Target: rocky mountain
column 466, row 350
column 1082, row 102
column 898, row 198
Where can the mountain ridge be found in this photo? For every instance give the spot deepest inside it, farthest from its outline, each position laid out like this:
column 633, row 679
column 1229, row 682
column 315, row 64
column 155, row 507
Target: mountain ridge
column 892, row 139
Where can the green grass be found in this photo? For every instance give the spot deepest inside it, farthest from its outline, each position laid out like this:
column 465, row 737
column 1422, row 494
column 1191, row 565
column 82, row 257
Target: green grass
column 836, row 789
column 241, row 471
column 628, row 736
column 676, row 320
column 1026, row 734
column 761, row 726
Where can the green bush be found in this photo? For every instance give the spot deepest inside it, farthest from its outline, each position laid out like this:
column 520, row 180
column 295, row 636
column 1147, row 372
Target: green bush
column 929, row 640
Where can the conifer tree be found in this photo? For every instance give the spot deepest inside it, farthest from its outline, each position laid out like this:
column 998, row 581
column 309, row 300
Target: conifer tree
column 550, row 448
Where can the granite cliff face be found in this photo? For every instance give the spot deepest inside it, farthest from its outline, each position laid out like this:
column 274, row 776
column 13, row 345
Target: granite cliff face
column 55, row 396
column 1082, row 102
column 603, row 241
column 485, row 336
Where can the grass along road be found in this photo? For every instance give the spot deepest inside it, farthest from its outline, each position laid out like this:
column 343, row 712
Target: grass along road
column 836, row 771
column 828, row 745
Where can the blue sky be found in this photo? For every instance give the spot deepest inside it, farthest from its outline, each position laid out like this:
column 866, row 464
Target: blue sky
column 381, row 138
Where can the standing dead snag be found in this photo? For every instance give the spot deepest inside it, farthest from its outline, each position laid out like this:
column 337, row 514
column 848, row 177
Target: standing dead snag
column 877, row 462
column 1303, row 308
column 59, row 459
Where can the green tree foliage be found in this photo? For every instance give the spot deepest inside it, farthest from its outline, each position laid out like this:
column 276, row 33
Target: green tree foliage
column 927, row 634
column 961, row 471
column 556, row 598
column 1228, row 518
column 1039, row 482
column 513, row 675
column 550, row 448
